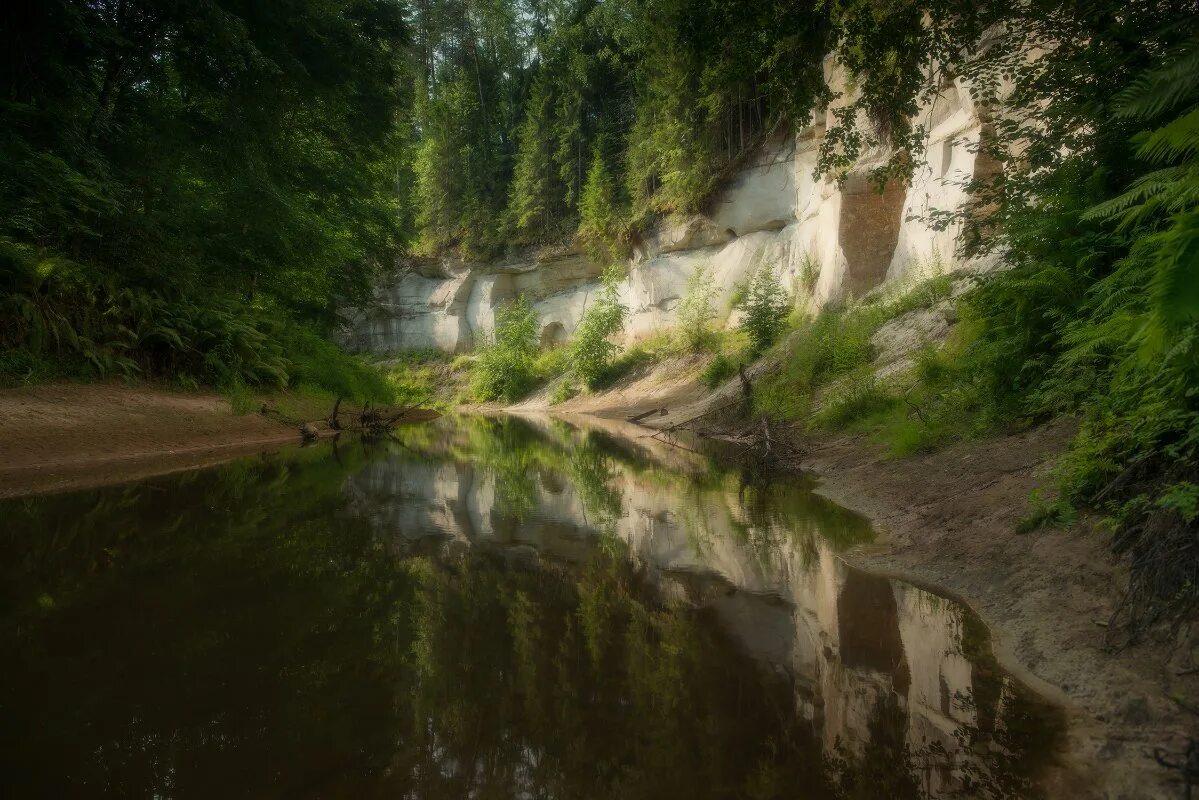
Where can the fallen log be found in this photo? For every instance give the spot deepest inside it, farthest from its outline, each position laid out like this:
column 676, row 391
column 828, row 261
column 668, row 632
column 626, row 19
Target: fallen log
column 647, row 414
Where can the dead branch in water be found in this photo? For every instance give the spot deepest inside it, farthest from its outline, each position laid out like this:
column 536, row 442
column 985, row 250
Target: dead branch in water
column 369, row 423
column 334, row 423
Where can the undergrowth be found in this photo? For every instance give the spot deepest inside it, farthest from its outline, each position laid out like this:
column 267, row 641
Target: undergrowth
column 60, row 320
column 835, row 346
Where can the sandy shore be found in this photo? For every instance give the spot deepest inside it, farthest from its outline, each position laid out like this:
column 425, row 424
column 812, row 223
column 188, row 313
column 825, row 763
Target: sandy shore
column 66, row 436
column 948, row 521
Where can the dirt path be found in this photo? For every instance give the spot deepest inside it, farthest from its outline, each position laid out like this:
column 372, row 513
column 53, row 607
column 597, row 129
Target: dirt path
column 65, row 436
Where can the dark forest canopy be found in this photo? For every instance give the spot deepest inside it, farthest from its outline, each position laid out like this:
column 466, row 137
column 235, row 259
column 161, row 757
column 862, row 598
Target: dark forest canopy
column 193, row 187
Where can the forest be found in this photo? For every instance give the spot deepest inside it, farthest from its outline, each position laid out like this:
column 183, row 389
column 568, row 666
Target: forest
column 194, row 192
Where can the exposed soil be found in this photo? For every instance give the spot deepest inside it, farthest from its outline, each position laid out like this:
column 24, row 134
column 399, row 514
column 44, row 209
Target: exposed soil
column 66, row 436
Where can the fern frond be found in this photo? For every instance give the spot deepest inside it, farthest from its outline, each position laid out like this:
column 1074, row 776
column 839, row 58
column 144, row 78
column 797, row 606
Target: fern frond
column 1175, row 141
column 1176, row 280
column 1164, row 88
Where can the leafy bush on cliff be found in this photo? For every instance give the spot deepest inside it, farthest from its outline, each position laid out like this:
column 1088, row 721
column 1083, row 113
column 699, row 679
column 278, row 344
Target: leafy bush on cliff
column 765, row 307
column 504, row 366
column 695, row 312
column 593, row 350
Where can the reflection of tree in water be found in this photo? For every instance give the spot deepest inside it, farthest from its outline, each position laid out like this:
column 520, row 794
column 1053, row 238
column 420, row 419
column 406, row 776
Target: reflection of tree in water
column 885, row 767
column 245, row 627
column 229, row 628
column 581, row 686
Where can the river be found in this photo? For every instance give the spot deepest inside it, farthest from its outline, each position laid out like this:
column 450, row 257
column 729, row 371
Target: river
column 488, row 607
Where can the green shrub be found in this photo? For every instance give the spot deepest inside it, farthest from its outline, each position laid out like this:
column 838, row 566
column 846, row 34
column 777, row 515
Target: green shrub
column 59, row 319
column 836, row 342
column 1044, row 513
column 592, row 350
column 719, row 369
column 809, row 271
column 427, row 378
column 504, row 366
column 551, row 363
column 318, row 362
column 240, row 398
column 765, row 306
column 625, row 362
column 695, row 312
column 565, row 390
column 860, row 398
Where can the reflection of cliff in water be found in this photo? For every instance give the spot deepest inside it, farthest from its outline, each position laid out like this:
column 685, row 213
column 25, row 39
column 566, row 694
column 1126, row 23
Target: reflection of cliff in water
column 881, row 670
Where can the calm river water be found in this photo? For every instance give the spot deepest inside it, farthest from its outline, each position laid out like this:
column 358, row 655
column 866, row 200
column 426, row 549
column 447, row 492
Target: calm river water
column 487, row 608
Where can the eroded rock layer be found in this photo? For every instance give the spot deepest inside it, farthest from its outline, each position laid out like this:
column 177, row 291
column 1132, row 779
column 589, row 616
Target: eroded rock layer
column 828, row 240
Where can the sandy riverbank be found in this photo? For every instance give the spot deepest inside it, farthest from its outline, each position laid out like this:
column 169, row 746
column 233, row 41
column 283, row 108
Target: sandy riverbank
column 66, row 436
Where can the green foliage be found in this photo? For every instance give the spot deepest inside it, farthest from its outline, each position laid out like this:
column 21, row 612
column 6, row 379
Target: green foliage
column 426, row 378
column 598, row 214
column 836, row 343
column 765, row 308
column 565, row 390
column 858, row 396
column 719, row 369
column 593, row 350
column 186, row 187
column 1182, row 498
column 1042, row 513
column 504, row 367
column 536, row 201
column 809, row 271
column 552, row 362
column 57, row 325
column 695, row 312
column 593, row 117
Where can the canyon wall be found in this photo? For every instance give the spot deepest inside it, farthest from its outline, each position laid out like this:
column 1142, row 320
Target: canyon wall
column 828, row 240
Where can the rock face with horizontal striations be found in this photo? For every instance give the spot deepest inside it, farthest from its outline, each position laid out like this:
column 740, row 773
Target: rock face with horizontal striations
column 829, row 241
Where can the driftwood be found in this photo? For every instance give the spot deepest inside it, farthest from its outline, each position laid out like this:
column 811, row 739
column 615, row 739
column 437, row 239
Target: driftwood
column 369, row 422
column 647, row 414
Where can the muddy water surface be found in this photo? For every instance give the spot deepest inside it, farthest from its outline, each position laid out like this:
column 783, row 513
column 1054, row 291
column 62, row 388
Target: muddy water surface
column 491, row 608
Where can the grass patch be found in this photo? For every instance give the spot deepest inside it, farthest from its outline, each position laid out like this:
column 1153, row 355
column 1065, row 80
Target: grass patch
column 861, row 397
column 564, row 391
column 429, row 378
column 1043, row 513
column 836, row 343
column 719, row 369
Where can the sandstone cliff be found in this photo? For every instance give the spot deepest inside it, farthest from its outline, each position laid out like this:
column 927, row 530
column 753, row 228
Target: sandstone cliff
column 828, row 240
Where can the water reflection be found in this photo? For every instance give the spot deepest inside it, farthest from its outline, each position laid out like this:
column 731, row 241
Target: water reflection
column 486, row 608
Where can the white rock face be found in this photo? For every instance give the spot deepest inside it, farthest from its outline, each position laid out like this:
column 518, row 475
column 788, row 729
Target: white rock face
column 827, row 241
